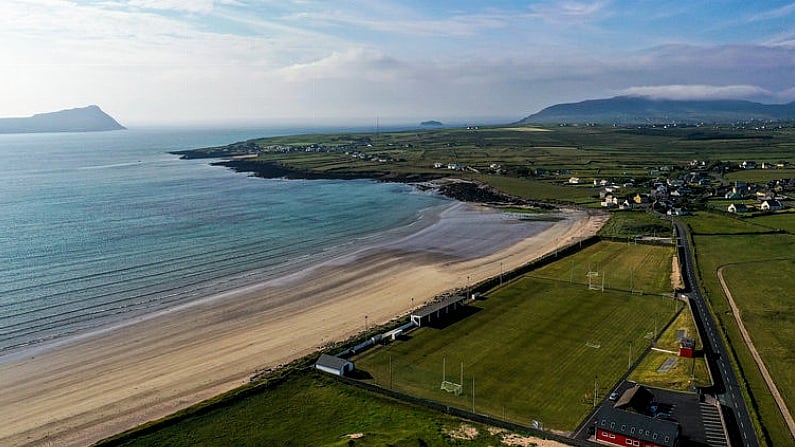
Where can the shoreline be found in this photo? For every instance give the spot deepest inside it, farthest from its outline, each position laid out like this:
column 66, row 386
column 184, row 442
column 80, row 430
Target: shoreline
column 109, row 382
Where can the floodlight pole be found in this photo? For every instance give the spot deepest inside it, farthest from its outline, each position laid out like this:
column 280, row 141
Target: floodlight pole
column 629, row 360
column 473, row 394
column 595, row 389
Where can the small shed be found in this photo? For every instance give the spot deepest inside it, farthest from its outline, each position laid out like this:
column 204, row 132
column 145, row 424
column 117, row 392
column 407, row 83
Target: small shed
column 334, row 365
column 687, row 348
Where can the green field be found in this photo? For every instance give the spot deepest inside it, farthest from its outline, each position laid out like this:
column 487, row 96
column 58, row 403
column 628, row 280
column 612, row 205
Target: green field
column 533, row 348
column 723, row 240
column 768, row 313
column 628, row 224
column 627, row 266
column 310, row 409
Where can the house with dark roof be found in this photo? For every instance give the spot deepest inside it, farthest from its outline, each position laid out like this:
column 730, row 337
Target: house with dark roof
column 619, row 427
column 334, row 365
column 771, row 205
column 639, row 398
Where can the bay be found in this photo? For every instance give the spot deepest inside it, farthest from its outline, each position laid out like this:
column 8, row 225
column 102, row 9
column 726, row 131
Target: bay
column 96, row 228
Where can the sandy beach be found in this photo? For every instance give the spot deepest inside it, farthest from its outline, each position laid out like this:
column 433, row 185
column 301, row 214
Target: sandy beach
column 107, row 382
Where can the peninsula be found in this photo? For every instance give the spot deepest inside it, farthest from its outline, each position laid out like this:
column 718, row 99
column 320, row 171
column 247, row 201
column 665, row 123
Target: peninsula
column 82, row 119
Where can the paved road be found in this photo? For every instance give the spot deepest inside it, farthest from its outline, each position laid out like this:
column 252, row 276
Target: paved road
column 727, row 388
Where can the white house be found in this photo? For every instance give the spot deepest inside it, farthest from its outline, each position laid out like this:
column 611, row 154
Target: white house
column 771, row 205
column 737, row 208
column 610, row 201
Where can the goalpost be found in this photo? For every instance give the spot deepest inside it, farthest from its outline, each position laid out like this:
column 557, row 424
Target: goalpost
column 594, row 285
column 451, row 387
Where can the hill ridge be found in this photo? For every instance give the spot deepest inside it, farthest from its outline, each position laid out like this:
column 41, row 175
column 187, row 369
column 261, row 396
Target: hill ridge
column 647, row 110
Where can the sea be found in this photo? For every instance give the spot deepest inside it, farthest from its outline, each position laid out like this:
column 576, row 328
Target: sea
column 99, row 228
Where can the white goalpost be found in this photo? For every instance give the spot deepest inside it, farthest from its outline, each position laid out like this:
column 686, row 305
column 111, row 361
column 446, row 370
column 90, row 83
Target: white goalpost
column 451, row 387
column 593, row 281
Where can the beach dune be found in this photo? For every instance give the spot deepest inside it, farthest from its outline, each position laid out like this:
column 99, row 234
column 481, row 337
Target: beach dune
column 99, row 384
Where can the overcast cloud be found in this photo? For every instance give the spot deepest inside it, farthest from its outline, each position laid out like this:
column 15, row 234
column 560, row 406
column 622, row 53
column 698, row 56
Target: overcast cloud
column 272, row 61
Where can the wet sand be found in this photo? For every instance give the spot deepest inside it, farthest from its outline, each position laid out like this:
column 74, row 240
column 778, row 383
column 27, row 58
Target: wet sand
column 104, row 383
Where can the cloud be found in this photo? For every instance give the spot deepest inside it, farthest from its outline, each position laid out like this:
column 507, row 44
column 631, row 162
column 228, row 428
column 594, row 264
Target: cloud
column 454, row 25
column 191, row 6
column 360, row 63
column 683, row 92
column 568, row 11
column 773, row 14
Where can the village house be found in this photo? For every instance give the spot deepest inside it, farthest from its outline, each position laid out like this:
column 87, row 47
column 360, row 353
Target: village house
column 737, row 208
column 610, row 200
column 771, row 205
column 748, row 164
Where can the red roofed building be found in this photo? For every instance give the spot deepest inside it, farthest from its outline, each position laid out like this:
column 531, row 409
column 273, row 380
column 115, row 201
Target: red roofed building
column 619, row 427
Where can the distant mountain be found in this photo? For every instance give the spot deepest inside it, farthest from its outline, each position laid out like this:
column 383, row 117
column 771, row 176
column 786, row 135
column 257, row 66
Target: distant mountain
column 431, row 123
column 644, row 110
column 84, row 119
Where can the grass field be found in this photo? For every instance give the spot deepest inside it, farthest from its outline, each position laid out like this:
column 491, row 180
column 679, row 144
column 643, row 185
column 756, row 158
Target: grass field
column 628, row 224
column 768, row 312
column 533, row 348
column 721, row 240
column 625, row 266
column 311, row 409
column 686, row 372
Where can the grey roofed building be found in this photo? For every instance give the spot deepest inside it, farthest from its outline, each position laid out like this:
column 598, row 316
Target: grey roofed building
column 434, row 310
column 334, row 365
column 637, row 426
column 638, row 397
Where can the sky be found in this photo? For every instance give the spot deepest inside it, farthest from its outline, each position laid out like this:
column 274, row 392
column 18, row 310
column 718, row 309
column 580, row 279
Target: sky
column 317, row 62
